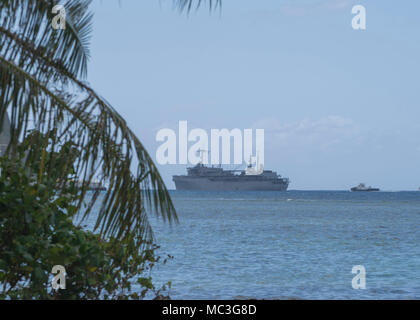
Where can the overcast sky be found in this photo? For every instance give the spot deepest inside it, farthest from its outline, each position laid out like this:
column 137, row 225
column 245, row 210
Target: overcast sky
column 338, row 106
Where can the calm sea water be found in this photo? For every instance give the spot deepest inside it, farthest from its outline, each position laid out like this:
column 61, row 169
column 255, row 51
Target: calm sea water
column 291, row 245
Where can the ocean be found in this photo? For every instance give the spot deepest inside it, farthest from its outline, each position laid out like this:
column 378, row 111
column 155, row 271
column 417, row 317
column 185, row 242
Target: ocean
column 291, row 245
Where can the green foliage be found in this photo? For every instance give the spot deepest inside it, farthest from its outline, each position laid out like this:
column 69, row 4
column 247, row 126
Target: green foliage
column 37, row 232
column 62, row 130
column 43, row 88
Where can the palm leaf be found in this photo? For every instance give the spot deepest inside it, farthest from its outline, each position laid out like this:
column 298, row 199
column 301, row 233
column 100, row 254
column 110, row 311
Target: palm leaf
column 41, row 88
column 188, row 5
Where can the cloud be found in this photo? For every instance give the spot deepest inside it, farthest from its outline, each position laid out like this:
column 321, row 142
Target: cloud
column 322, row 134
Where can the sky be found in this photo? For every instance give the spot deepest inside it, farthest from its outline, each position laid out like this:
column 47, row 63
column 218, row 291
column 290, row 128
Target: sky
column 338, row 106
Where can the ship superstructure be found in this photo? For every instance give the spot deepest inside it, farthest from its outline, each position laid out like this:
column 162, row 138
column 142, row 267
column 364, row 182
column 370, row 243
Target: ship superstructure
column 363, row 188
column 205, row 178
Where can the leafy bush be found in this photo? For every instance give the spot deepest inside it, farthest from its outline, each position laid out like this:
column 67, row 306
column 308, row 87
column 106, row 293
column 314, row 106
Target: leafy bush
column 37, row 232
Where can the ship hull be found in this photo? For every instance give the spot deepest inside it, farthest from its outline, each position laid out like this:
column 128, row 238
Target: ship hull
column 364, row 190
column 233, row 184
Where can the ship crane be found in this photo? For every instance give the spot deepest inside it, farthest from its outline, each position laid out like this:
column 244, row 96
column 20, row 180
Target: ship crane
column 251, row 171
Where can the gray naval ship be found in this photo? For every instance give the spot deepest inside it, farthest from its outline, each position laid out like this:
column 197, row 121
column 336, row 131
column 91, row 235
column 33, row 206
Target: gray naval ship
column 204, row 178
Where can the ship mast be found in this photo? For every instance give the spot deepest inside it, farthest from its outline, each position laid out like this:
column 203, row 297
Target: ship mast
column 202, row 152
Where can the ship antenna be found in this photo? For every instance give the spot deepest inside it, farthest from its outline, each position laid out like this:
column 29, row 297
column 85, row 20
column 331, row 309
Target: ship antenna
column 201, row 152
column 250, row 161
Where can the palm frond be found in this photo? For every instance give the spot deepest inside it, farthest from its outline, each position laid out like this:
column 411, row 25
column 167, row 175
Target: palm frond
column 30, row 21
column 188, row 5
column 41, row 91
column 107, row 147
